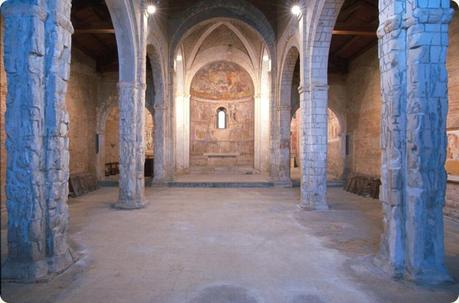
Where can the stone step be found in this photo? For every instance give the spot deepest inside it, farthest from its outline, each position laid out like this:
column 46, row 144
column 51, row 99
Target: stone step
column 221, row 184
column 208, row 184
column 296, row 183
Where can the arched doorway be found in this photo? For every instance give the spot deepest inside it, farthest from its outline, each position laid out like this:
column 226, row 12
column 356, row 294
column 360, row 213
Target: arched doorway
column 222, row 119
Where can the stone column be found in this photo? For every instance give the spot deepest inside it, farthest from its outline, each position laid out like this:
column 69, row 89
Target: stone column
column 130, row 182
column 140, row 144
column 313, row 104
column 160, row 174
column 392, row 46
column 283, row 147
column 37, row 58
column 413, row 42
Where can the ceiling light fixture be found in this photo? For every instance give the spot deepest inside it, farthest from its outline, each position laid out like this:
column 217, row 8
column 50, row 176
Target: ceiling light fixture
column 151, row 9
column 296, row 10
column 266, row 58
column 179, row 58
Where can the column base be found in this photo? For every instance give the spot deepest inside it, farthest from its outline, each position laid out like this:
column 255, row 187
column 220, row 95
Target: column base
column 37, row 271
column 309, row 206
column 431, row 277
column 131, row 205
column 384, row 265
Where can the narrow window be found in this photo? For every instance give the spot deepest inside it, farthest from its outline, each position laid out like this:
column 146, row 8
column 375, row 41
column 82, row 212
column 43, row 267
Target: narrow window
column 221, row 118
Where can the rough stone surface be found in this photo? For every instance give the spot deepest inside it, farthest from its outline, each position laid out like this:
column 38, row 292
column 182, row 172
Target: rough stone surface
column 413, row 137
column 37, row 53
column 3, row 90
column 131, row 181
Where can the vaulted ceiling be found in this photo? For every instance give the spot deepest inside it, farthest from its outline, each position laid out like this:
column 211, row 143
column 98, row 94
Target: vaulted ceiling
column 354, row 33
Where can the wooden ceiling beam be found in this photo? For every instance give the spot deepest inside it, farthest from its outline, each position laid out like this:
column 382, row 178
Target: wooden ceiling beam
column 81, row 31
column 355, row 32
column 346, row 46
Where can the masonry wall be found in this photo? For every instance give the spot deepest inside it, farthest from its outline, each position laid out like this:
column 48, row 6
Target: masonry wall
column 363, row 114
column 452, row 193
column 81, row 103
column 112, row 136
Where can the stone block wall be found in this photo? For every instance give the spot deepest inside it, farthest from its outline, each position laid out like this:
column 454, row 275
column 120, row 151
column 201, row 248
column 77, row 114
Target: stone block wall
column 81, row 102
column 363, row 114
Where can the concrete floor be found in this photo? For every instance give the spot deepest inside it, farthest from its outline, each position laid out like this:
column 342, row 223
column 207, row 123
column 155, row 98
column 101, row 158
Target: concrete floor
column 228, row 245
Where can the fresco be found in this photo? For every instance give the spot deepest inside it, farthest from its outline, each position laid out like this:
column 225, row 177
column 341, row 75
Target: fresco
column 222, row 81
column 452, row 154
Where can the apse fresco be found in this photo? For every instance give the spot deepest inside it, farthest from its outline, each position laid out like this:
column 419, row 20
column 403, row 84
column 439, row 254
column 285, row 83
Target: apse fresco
column 222, row 81
column 452, row 154
column 222, row 85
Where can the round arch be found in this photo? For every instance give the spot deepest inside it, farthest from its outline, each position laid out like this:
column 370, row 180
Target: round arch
column 238, row 10
column 281, row 167
column 123, row 19
column 215, row 54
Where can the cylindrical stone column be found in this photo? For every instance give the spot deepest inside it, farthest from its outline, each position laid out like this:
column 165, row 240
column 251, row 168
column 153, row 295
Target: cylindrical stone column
column 427, row 107
column 59, row 32
column 140, row 144
column 129, row 198
column 313, row 104
column 283, row 147
column 392, row 49
column 160, row 174
column 37, row 58
column 413, row 38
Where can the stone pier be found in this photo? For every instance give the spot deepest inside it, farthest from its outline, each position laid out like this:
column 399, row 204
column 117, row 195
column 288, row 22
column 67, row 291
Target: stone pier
column 313, row 105
column 413, row 40
column 131, row 176
column 37, row 62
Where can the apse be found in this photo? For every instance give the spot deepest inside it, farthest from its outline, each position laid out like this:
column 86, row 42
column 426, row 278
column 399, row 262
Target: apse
column 222, row 118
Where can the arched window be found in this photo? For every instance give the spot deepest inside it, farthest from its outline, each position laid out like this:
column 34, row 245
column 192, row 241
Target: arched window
column 221, row 118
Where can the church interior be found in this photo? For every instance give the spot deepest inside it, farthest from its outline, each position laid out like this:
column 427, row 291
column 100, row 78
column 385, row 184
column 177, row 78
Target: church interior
column 233, row 151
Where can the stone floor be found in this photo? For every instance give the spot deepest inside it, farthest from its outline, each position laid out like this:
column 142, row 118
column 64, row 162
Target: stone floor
column 228, row 245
